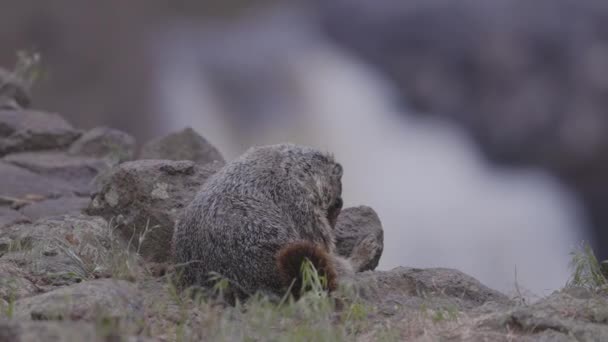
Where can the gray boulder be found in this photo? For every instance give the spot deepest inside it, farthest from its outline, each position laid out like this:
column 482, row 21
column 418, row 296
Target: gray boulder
column 146, row 197
column 445, row 304
column 104, row 143
column 359, row 225
column 91, row 301
column 405, row 287
column 26, row 130
column 182, row 145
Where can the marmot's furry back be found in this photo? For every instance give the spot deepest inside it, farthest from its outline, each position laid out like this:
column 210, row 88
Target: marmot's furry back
column 270, row 198
column 290, row 259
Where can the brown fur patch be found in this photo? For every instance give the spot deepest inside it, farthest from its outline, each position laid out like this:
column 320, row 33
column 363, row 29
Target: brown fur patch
column 289, row 262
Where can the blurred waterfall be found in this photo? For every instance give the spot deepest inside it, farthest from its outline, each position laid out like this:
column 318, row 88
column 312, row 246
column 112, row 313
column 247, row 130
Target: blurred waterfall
column 275, row 79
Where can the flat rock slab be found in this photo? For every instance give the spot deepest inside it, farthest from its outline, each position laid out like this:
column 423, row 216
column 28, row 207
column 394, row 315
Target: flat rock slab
column 16, row 182
column 182, row 145
column 146, row 197
column 78, row 171
column 90, row 301
column 70, row 205
column 9, row 216
column 26, row 130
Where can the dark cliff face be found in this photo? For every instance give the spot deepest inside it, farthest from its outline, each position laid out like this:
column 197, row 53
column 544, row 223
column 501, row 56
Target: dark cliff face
column 528, row 80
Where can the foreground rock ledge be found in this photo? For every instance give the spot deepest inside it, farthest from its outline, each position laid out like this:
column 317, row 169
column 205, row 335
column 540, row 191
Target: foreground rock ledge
column 89, row 301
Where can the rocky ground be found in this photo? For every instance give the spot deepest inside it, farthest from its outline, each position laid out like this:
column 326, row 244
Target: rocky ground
column 85, row 226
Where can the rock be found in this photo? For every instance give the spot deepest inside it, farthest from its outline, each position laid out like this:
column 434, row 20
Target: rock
column 70, row 205
column 444, row 304
column 434, row 287
column 29, row 331
column 105, row 143
column 17, row 183
column 61, row 250
column 575, row 313
column 148, row 196
column 14, row 283
column 355, row 225
column 78, row 171
column 183, row 145
column 13, row 91
column 103, row 299
column 31, row 130
column 9, row 216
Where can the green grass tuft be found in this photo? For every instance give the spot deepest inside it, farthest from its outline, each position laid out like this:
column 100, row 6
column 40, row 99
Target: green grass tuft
column 315, row 316
column 587, row 271
column 28, row 68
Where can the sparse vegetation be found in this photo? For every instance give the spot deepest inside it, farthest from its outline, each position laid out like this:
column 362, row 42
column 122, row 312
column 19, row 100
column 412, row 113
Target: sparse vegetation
column 28, row 68
column 316, row 316
column 116, row 154
column 190, row 315
column 587, row 271
column 7, row 307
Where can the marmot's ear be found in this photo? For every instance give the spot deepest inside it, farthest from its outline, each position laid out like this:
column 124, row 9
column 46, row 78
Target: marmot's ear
column 338, row 171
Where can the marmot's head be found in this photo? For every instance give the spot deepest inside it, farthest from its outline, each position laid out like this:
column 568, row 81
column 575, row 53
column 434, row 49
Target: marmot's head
column 317, row 171
column 323, row 173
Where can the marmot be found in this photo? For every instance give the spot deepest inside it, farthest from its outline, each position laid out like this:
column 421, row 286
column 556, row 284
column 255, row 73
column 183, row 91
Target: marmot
column 256, row 219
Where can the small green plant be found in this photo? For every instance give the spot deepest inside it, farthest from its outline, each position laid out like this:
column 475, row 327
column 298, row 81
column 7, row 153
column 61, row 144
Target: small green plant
column 586, row 270
column 116, row 153
column 312, row 281
column 221, row 285
column 7, row 308
column 28, row 68
column 26, row 72
column 18, row 245
column 119, row 260
column 448, row 314
column 356, row 312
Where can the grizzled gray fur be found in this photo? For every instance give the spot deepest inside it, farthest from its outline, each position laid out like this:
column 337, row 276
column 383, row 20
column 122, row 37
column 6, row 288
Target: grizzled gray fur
column 266, row 199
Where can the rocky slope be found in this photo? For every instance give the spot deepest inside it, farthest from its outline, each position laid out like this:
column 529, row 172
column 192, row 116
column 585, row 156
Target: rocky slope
column 85, row 230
